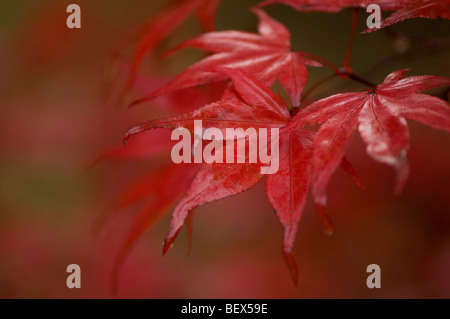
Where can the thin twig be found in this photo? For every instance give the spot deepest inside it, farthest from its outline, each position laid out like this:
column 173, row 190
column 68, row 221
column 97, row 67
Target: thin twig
column 351, row 40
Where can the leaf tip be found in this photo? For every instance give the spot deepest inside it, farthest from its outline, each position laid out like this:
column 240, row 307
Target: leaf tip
column 400, row 183
column 169, row 242
column 350, row 170
column 132, row 131
column 166, row 247
column 325, row 219
column 292, row 265
column 135, row 102
column 256, row 9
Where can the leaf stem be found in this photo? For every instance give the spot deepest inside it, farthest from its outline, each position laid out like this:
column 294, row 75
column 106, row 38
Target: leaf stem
column 351, row 40
column 361, row 80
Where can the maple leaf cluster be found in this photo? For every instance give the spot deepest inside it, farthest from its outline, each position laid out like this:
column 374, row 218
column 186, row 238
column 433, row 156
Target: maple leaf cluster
column 308, row 158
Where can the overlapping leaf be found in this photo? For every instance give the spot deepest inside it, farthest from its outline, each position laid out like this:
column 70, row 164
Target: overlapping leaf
column 254, row 62
column 159, row 189
column 255, row 106
column 266, row 56
column 287, row 189
column 165, row 22
column 162, row 189
column 220, row 180
column 252, row 106
column 380, row 117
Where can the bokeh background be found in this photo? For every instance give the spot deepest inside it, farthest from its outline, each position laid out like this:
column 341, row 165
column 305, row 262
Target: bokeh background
column 59, row 109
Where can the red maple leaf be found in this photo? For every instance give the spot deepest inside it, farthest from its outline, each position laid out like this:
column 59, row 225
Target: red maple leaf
column 267, row 56
column 253, row 105
column 430, row 9
column 158, row 190
column 155, row 192
column 158, row 27
column 379, row 115
column 337, row 5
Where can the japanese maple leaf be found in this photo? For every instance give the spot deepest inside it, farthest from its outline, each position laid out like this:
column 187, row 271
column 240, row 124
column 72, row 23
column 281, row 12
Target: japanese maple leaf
column 232, row 111
column 158, row 190
column 166, row 21
column 155, row 192
column 197, row 96
column 430, row 9
column 380, row 117
column 337, row 5
column 266, row 56
column 151, row 144
column 254, row 105
column 285, row 189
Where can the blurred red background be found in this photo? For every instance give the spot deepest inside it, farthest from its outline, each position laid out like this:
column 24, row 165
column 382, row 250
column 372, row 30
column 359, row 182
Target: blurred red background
column 57, row 112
